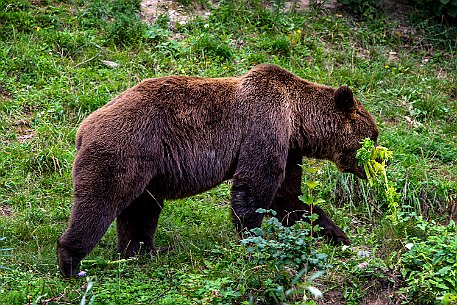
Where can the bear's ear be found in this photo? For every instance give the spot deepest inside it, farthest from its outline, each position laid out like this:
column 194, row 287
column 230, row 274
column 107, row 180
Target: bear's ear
column 344, row 99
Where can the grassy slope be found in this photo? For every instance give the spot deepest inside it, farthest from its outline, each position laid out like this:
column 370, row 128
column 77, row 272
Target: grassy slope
column 51, row 77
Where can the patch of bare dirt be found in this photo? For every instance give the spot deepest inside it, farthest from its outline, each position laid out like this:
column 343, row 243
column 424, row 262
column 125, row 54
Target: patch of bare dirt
column 4, row 94
column 304, row 4
column 152, row 9
column 363, row 53
column 453, row 211
column 397, row 9
column 392, row 121
column 5, row 211
column 22, row 127
column 23, row 130
column 412, row 38
column 379, row 298
column 333, row 297
column 378, row 292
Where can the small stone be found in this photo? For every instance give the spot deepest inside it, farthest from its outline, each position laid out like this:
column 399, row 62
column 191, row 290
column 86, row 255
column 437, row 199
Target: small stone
column 362, row 265
column 110, row 64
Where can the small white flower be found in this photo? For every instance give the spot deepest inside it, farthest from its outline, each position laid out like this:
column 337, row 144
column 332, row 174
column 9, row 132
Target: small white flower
column 409, row 246
column 363, row 254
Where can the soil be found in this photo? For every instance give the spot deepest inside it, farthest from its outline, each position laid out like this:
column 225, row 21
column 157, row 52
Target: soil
column 4, row 94
column 152, row 9
column 5, row 211
column 23, row 130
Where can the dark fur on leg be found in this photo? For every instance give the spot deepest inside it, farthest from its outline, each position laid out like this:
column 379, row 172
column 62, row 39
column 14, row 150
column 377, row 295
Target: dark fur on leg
column 136, row 225
column 290, row 209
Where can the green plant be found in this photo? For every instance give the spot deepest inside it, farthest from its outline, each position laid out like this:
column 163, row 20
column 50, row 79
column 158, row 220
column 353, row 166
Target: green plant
column 362, row 7
column 156, row 34
column 125, row 29
column 88, row 296
column 369, row 156
column 449, row 299
column 288, row 248
column 210, row 45
column 374, row 161
column 439, row 7
column 4, row 252
column 285, row 246
column 211, row 291
column 119, row 20
column 430, row 264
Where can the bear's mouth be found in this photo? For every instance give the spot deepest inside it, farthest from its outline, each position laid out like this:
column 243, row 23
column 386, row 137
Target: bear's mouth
column 358, row 171
column 361, row 172
column 347, row 163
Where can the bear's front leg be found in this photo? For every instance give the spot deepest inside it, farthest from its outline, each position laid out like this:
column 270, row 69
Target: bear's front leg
column 255, row 182
column 245, row 203
column 290, row 209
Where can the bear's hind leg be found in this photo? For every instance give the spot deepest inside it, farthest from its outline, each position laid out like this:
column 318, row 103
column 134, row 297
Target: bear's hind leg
column 103, row 187
column 136, row 225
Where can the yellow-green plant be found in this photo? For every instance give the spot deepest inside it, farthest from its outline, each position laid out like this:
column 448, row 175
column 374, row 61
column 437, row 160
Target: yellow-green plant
column 374, row 160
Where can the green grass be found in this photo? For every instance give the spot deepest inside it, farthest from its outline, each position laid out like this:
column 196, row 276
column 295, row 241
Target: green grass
column 52, row 76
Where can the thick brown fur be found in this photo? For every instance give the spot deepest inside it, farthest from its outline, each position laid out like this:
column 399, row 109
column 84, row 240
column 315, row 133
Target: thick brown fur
column 176, row 136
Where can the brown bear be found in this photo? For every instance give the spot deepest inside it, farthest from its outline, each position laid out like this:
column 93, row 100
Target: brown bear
column 173, row 137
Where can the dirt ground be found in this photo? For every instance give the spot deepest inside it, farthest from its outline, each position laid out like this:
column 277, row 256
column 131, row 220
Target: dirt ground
column 151, row 9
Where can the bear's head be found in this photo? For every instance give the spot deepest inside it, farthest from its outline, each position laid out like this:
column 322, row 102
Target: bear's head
column 354, row 124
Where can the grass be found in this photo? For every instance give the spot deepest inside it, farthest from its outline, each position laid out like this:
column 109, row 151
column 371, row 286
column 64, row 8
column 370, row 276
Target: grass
column 52, row 76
